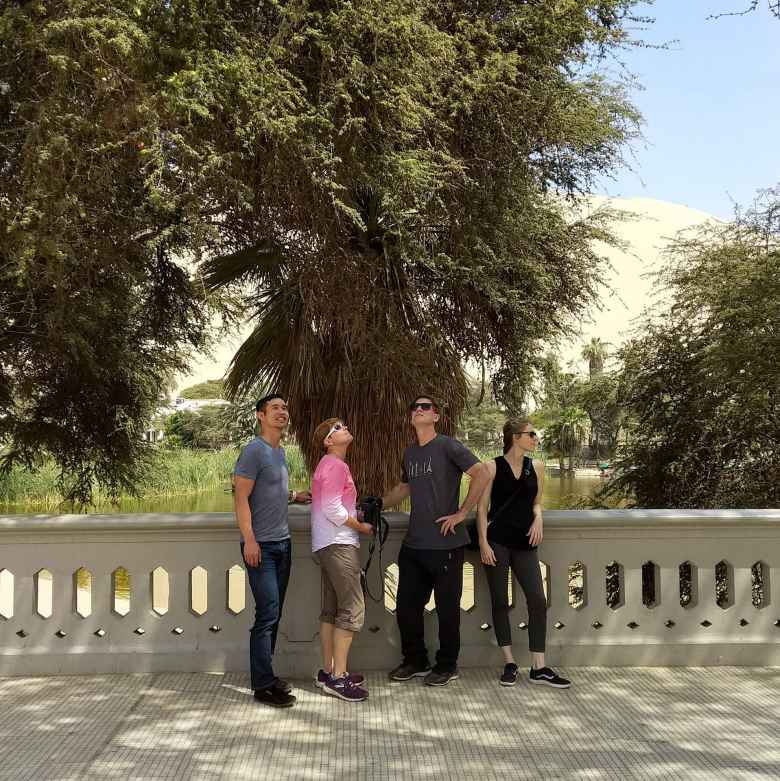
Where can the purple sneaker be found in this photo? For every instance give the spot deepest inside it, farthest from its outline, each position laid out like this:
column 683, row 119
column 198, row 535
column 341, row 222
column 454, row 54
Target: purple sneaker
column 323, row 677
column 345, row 690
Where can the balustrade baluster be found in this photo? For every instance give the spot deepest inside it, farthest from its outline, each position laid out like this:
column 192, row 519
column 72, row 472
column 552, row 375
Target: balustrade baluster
column 743, row 590
column 7, row 592
column 632, row 580
column 62, row 599
column 100, row 605
column 669, row 590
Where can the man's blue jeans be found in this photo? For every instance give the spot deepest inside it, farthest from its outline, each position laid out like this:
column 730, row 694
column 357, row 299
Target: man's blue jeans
column 269, row 585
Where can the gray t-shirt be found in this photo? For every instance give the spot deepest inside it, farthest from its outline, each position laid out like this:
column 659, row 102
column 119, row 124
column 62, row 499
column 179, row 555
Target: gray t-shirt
column 267, row 466
column 433, row 472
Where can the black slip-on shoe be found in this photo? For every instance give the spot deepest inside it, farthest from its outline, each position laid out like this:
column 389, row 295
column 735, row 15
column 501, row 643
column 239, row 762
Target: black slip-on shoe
column 275, row 697
column 405, row 672
column 548, row 677
column 509, row 676
column 441, row 677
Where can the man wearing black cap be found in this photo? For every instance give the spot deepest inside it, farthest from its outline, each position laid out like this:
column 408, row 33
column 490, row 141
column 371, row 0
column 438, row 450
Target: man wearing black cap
column 261, row 497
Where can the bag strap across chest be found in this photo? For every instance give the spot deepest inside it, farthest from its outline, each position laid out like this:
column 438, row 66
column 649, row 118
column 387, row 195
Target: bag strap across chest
column 518, row 489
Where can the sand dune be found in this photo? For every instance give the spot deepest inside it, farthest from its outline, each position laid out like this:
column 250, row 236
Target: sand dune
column 648, row 235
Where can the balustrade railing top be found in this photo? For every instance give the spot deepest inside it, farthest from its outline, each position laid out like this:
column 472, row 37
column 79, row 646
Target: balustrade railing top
column 299, row 520
column 103, row 593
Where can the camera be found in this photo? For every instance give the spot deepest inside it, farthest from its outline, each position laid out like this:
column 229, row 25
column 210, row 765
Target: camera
column 371, row 508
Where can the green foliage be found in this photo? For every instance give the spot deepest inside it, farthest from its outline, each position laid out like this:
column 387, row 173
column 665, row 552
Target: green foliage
column 386, row 180
column 558, row 390
column 211, row 389
column 208, row 428
column 564, row 397
column 95, row 311
column 565, row 437
column 701, row 381
column 172, row 472
column 595, row 353
column 598, row 396
column 482, row 420
column 400, row 208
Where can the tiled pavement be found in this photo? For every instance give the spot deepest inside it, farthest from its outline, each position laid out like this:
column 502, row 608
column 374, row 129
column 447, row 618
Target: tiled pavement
column 675, row 723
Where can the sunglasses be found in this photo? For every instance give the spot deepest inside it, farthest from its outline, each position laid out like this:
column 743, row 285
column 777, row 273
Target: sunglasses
column 530, row 434
column 336, row 427
column 423, row 405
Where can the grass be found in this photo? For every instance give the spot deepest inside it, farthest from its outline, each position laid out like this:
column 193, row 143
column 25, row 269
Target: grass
column 175, row 472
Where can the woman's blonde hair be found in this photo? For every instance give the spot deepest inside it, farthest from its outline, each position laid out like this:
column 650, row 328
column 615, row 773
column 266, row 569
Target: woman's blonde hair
column 321, row 432
column 511, row 427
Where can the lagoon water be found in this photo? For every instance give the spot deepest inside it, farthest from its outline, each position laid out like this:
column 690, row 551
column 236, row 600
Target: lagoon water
column 560, row 493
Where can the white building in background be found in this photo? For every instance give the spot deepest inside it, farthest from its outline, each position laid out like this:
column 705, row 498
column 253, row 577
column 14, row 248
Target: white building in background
column 193, row 405
column 156, row 434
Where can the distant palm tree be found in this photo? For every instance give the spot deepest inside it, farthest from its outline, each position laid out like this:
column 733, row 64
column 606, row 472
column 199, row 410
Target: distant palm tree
column 595, row 353
column 566, row 436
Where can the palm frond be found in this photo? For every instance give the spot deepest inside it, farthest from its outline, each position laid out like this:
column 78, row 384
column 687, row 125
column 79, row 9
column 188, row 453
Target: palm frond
column 258, row 262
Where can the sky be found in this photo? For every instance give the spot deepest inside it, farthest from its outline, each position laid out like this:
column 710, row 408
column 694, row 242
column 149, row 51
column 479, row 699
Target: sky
column 710, row 104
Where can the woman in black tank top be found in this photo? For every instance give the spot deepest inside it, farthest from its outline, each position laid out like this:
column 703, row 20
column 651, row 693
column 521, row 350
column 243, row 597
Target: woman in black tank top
column 509, row 519
column 512, row 504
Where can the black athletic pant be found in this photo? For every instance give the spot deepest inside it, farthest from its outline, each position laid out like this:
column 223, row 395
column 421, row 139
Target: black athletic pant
column 525, row 565
column 419, row 573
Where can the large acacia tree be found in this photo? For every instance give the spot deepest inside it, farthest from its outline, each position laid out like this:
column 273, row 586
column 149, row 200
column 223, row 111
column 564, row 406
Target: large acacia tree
column 381, row 185
column 96, row 312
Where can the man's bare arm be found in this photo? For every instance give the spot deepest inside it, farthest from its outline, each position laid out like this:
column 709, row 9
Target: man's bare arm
column 479, row 476
column 487, row 554
column 484, row 503
column 396, row 495
column 242, row 487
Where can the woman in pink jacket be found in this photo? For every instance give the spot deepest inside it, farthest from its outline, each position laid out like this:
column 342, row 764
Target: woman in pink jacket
column 335, row 543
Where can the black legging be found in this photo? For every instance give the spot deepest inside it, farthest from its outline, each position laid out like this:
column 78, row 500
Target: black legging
column 525, row 565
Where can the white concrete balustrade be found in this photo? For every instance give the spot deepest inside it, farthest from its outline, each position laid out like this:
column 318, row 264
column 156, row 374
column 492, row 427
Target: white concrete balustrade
column 133, row 593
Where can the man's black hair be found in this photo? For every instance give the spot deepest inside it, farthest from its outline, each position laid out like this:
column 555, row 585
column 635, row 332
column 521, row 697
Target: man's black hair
column 426, row 396
column 260, row 406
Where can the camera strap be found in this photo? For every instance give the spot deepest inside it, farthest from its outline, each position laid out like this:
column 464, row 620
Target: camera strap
column 377, row 542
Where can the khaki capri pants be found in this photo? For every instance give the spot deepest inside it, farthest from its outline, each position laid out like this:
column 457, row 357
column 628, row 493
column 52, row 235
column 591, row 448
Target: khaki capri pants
column 342, row 595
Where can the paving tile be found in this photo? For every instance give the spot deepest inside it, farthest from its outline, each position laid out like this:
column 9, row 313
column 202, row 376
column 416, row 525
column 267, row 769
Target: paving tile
column 646, row 723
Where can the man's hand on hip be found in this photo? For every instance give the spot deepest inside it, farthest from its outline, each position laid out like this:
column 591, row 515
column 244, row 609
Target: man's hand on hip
column 449, row 522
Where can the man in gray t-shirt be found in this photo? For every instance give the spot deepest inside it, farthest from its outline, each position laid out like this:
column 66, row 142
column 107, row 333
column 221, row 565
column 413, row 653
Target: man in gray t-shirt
column 431, row 557
column 270, row 496
column 261, row 497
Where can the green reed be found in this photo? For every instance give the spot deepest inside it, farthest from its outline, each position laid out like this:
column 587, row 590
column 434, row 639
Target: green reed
column 172, row 472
